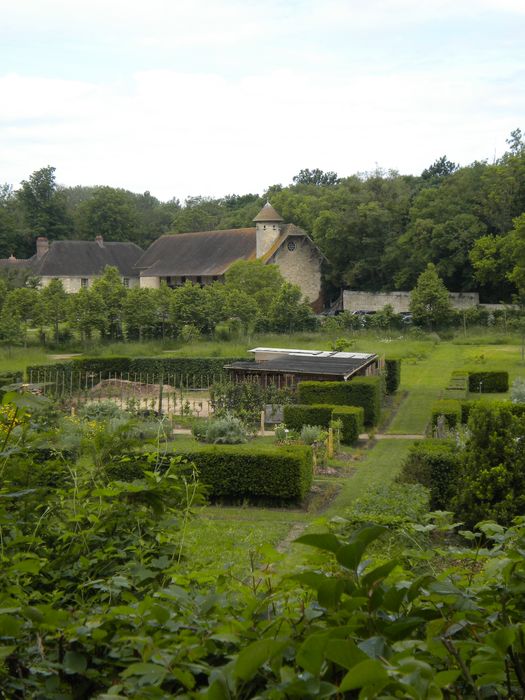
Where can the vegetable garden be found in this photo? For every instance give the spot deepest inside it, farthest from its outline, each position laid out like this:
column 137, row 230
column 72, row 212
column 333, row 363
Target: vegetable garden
column 137, row 562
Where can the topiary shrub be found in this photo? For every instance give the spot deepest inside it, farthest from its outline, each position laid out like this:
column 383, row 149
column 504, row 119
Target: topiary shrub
column 361, row 391
column 450, row 409
column 392, row 374
column 352, row 419
column 433, row 463
column 488, row 382
column 297, row 415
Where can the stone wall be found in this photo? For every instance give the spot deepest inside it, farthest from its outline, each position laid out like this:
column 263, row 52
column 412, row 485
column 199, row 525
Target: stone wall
column 400, row 301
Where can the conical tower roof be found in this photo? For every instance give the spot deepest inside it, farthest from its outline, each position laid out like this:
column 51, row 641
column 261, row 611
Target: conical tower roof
column 268, row 213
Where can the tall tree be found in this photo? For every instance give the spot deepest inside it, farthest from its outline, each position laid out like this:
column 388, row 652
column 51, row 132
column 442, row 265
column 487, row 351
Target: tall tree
column 54, row 301
column 111, row 213
column 43, row 207
column 429, row 301
column 112, row 292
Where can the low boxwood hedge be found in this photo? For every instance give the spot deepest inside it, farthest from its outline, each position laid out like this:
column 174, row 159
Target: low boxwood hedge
column 392, row 374
column 297, row 415
column 361, row 391
column 237, row 472
column 488, row 381
column 450, row 409
column 352, row 418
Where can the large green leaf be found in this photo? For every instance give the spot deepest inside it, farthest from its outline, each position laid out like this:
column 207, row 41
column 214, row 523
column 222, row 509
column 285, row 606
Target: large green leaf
column 326, row 541
column 74, row 662
column 369, row 673
column 255, row 655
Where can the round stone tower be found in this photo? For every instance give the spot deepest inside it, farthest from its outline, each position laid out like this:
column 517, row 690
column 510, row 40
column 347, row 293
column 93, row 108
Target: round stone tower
column 268, row 228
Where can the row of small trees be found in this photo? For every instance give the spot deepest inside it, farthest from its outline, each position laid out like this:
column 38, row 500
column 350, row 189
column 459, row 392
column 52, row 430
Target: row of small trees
column 254, row 297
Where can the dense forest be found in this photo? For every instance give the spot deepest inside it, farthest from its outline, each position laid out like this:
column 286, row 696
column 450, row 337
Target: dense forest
column 378, row 230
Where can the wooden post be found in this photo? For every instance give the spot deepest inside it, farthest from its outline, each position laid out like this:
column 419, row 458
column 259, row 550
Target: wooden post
column 262, row 422
column 330, row 443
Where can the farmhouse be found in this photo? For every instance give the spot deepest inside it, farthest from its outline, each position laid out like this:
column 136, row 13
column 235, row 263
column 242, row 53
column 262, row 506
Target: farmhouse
column 287, row 367
column 205, row 256
column 78, row 263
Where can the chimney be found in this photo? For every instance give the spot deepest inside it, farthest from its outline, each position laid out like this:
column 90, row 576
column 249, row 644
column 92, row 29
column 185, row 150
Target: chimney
column 100, row 241
column 42, row 246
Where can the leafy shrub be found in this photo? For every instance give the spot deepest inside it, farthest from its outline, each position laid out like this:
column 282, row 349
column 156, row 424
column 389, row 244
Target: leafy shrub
column 352, row 422
column 311, row 434
column 246, row 399
column 434, row 464
column 297, row 415
column 517, row 390
column 392, row 374
column 492, row 467
column 228, row 430
column 450, row 409
column 361, row 391
column 100, row 410
column 488, row 382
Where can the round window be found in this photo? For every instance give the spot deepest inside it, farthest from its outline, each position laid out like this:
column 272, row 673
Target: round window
column 291, row 245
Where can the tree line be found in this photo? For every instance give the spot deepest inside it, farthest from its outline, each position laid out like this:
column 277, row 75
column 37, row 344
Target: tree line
column 377, row 230
column 253, row 298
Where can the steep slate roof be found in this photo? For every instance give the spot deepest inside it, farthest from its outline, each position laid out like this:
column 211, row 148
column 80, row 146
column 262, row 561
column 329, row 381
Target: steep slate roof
column 198, row 254
column 268, row 213
column 86, row 258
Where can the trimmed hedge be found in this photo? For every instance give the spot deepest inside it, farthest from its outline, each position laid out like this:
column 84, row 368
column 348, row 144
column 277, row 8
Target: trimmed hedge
column 239, row 471
column 352, row 418
column 361, row 391
column 189, row 370
column 450, row 408
column 392, row 374
column 297, row 415
column 434, row 464
column 492, row 382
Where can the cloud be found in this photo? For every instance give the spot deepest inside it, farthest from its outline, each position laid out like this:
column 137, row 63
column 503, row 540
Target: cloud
column 209, row 97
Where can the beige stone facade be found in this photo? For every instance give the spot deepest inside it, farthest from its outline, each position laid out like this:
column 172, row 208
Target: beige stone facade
column 300, row 263
column 72, row 285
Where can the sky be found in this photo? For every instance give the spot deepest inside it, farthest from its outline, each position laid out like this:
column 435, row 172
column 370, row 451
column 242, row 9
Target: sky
column 214, row 97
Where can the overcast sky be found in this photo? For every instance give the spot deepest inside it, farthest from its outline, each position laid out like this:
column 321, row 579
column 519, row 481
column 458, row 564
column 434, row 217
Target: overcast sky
column 212, row 97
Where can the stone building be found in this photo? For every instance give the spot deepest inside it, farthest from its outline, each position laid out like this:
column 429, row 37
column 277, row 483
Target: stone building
column 78, row 263
column 205, row 256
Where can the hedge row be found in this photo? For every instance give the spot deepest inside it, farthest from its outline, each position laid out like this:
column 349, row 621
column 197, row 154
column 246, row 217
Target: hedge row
column 450, row 409
column 433, row 463
column 352, row 418
column 392, row 374
column 361, row 391
column 297, row 415
column 239, row 471
column 488, row 382
column 188, row 370
column 518, row 409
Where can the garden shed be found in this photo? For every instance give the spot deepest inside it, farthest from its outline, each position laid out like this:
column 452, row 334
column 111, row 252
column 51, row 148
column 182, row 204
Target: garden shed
column 287, row 367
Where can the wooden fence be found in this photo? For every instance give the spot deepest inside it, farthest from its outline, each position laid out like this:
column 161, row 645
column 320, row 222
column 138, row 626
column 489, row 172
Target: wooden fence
column 181, row 394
